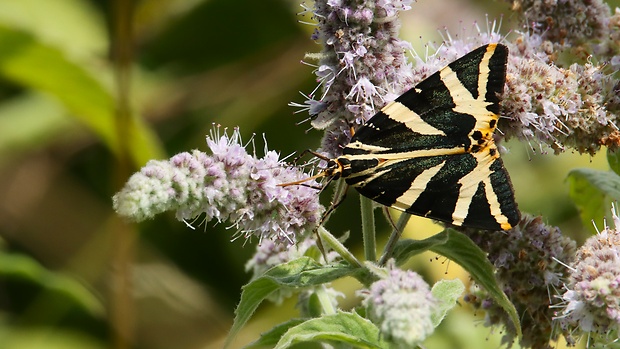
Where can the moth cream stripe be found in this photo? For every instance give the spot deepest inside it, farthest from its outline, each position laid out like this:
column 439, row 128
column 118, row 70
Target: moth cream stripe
column 484, row 117
column 463, row 100
column 417, row 187
column 481, row 173
column 406, row 155
column 469, row 186
column 366, row 147
column 496, row 210
column 399, row 112
column 483, row 77
column 463, row 202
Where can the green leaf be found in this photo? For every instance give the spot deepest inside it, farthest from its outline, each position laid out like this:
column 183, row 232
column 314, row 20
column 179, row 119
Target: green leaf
column 592, row 191
column 349, row 329
column 613, row 159
column 32, row 64
column 302, row 272
column 270, row 338
column 22, row 267
column 460, row 249
column 447, row 292
column 15, row 335
column 28, row 121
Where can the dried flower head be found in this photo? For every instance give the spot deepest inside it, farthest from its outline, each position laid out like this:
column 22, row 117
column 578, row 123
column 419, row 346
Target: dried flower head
column 227, row 185
column 528, row 266
column 565, row 22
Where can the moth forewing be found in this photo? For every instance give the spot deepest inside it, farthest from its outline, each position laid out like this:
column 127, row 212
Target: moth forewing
column 431, row 151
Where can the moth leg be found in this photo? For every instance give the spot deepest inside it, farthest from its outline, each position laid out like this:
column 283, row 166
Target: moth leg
column 388, row 216
column 312, row 152
column 319, row 188
column 341, row 195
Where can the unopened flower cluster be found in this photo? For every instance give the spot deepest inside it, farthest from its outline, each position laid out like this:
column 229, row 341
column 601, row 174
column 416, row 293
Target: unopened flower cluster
column 361, row 67
column 401, row 305
column 592, row 297
column 227, row 185
column 529, row 264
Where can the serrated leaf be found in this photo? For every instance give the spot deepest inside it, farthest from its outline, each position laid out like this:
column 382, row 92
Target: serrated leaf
column 298, row 273
column 460, row 249
column 32, row 64
column 447, row 292
column 592, row 191
column 349, row 329
column 270, row 338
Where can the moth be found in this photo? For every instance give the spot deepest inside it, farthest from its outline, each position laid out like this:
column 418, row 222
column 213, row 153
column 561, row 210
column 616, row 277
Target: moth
column 431, row 151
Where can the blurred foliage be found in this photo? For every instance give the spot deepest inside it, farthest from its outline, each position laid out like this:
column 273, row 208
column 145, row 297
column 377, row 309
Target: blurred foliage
column 193, row 63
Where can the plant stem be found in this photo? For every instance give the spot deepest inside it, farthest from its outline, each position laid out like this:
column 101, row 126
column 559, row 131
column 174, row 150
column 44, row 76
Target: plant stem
column 338, row 247
column 122, row 317
column 368, row 229
column 326, row 304
column 396, row 233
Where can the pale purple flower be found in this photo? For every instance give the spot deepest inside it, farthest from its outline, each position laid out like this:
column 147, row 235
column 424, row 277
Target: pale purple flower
column 549, row 99
column 577, row 102
column 561, row 107
column 592, row 297
column 362, row 59
column 227, row 185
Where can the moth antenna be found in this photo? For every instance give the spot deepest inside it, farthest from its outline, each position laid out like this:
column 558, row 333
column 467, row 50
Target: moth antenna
column 302, row 181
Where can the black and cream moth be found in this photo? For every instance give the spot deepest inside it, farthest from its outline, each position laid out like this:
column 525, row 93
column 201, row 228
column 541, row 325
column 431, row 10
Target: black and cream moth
column 431, row 151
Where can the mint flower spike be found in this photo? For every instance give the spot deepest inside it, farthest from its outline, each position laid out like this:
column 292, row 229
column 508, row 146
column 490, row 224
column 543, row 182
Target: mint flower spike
column 401, row 305
column 592, row 297
column 227, row 185
column 362, row 61
column 567, row 22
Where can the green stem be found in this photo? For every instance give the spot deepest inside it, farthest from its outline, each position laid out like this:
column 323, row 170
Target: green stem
column 396, row 233
column 122, row 316
column 326, row 303
column 368, row 229
column 331, row 241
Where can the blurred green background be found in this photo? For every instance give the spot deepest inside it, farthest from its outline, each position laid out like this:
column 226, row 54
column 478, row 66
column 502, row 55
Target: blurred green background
column 92, row 89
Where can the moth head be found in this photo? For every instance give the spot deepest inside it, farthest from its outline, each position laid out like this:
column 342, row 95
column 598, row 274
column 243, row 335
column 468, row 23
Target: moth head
column 333, row 169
